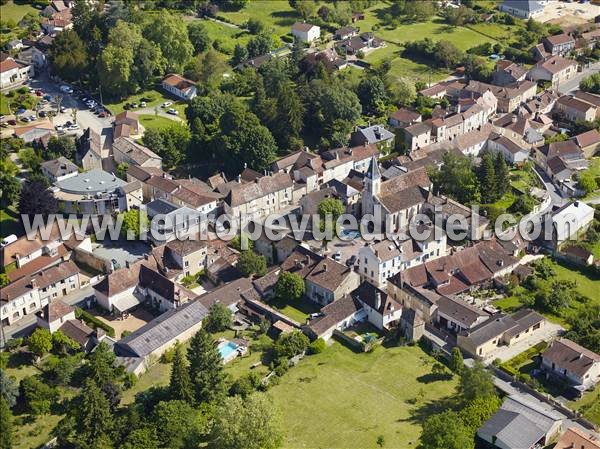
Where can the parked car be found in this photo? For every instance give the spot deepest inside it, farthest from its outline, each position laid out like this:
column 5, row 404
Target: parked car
column 63, row 109
column 43, row 114
column 103, row 114
column 39, row 92
column 32, row 118
column 337, row 256
column 20, row 111
column 25, row 119
column 166, row 104
column 58, row 127
column 74, row 127
column 143, row 104
column 173, row 111
column 66, row 89
column 12, row 122
column 351, row 261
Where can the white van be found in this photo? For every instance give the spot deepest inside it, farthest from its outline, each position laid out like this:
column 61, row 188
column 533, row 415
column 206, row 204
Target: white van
column 9, row 239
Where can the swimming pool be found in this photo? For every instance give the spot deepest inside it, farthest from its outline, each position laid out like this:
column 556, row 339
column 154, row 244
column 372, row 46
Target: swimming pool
column 226, row 349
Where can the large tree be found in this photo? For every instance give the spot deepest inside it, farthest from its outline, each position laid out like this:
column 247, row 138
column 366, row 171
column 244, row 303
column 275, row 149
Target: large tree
column 180, row 385
column 456, row 179
column 9, row 190
column 68, row 55
column 40, row 342
column 244, row 140
column 171, row 35
column 252, row 264
column 219, row 318
column 289, row 286
column 332, row 111
column 94, row 423
column 36, row 199
column 502, row 175
column 487, row 178
column 198, row 36
column 446, row 431
column 178, row 424
column 9, row 389
column 249, row 423
column 372, row 95
column 6, row 418
column 206, row 367
column 476, row 382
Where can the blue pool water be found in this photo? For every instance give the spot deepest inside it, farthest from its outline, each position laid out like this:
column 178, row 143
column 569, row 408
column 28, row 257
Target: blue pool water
column 227, row 348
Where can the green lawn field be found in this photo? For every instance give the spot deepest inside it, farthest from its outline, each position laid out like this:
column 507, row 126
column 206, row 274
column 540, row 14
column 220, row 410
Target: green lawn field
column 156, row 121
column 152, row 98
column 15, row 10
column 341, row 399
column 276, row 14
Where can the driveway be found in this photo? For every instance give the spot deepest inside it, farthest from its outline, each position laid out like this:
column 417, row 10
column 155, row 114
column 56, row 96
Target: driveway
column 549, row 332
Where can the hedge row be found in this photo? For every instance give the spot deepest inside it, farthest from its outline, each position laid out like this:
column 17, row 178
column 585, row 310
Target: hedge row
column 94, row 322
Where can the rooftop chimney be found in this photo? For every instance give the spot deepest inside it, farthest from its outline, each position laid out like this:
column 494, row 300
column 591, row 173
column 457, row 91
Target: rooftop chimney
column 324, row 267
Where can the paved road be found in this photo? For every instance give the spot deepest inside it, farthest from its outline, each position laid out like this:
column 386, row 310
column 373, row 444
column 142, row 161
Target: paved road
column 573, row 84
column 161, row 113
column 27, row 324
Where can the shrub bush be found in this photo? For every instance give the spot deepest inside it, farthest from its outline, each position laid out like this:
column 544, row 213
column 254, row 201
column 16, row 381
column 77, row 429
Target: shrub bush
column 94, row 322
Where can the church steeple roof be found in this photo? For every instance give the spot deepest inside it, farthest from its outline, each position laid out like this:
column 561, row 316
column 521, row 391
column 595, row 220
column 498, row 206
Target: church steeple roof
column 373, row 172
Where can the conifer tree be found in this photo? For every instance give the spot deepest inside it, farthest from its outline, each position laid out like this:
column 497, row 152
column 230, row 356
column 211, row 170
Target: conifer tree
column 206, row 368
column 487, row 179
column 501, row 169
column 180, row 385
column 6, row 433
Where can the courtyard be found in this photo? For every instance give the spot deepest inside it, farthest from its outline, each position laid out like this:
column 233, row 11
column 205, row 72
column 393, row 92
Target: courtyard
column 120, row 251
column 131, row 322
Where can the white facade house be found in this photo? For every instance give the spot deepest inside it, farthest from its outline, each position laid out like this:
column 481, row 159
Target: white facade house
column 179, row 86
column 30, row 293
column 379, row 261
column 305, row 32
column 13, row 73
column 572, row 363
column 570, row 220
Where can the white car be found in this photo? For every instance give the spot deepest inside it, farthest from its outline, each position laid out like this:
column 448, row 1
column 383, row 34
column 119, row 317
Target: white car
column 74, row 127
column 173, row 111
column 63, row 109
column 66, row 89
column 143, row 104
column 166, row 104
column 59, row 127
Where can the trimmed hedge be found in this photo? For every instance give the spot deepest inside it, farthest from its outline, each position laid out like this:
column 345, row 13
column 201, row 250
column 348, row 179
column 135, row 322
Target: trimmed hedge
column 94, row 322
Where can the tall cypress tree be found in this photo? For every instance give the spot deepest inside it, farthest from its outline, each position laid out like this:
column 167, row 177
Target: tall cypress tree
column 94, row 420
column 206, row 368
column 6, row 427
column 487, row 179
column 501, row 169
column 180, row 385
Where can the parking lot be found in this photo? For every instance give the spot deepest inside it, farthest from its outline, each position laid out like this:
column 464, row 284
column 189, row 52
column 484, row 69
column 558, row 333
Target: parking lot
column 74, row 110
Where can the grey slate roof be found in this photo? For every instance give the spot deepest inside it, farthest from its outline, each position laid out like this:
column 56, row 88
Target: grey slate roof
column 520, row 423
column 161, row 330
column 375, row 133
column 511, row 430
column 60, row 167
column 523, row 5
